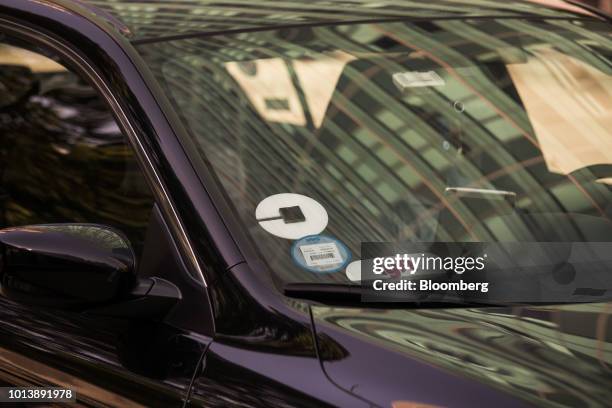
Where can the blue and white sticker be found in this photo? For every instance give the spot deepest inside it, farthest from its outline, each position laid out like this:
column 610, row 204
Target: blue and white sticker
column 320, row 254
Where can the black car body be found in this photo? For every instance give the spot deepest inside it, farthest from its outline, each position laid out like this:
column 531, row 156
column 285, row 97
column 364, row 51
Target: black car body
column 230, row 338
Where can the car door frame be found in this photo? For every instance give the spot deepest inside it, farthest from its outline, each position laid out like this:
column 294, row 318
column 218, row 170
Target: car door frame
column 144, row 113
column 158, row 151
column 122, row 79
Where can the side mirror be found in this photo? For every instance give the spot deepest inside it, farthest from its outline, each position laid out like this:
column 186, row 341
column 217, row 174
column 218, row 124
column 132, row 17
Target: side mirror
column 65, row 265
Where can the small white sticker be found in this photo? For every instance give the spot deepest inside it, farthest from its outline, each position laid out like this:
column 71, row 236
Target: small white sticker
column 353, row 271
column 322, row 254
column 416, row 79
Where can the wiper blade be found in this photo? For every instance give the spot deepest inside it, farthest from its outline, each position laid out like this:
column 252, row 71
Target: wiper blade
column 324, row 292
column 342, row 294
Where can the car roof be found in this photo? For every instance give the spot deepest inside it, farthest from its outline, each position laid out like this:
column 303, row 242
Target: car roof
column 156, row 20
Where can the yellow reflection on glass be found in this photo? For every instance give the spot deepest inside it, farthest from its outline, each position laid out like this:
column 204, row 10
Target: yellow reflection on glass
column 568, row 103
column 272, row 91
column 37, row 63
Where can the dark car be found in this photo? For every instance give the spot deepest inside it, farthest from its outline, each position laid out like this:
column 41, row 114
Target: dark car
column 186, row 189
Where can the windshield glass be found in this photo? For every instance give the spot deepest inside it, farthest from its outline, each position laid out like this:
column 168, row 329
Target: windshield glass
column 450, row 130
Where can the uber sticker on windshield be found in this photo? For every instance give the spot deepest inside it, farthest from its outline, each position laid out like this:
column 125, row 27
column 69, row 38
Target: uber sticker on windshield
column 291, row 216
column 320, row 253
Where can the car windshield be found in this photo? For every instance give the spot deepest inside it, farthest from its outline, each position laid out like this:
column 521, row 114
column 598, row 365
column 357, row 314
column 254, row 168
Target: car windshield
column 449, row 130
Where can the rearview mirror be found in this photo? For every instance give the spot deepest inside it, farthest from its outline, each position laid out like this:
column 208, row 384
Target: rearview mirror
column 65, row 265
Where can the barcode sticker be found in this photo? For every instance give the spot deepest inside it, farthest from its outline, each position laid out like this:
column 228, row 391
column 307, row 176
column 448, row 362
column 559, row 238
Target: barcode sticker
column 322, row 254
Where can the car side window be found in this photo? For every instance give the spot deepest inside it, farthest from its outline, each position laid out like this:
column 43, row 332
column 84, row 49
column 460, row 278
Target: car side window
column 63, row 158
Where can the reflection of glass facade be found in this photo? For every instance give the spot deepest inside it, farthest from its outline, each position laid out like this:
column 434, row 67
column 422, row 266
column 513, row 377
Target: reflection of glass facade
column 156, row 18
column 382, row 159
column 519, row 350
column 604, row 5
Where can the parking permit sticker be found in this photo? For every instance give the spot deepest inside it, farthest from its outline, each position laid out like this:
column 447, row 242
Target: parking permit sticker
column 320, row 253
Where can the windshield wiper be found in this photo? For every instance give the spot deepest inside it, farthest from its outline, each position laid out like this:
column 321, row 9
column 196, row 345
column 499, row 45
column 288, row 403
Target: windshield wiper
column 324, row 292
column 331, row 293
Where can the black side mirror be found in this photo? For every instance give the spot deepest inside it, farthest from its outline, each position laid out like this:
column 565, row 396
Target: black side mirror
column 84, row 267
column 65, row 265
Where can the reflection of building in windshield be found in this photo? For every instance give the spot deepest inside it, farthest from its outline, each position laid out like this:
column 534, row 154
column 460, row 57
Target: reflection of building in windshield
column 381, row 159
column 270, row 89
column 561, row 4
column 272, row 86
column 568, row 104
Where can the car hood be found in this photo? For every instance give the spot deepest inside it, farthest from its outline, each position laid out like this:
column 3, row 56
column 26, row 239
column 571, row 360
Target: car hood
column 547, row 355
